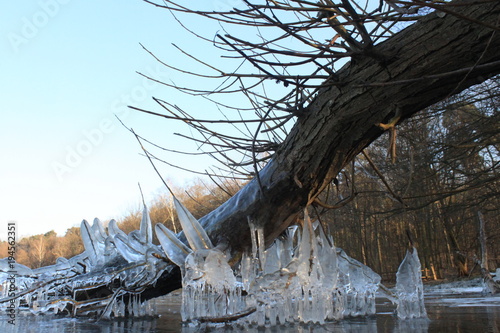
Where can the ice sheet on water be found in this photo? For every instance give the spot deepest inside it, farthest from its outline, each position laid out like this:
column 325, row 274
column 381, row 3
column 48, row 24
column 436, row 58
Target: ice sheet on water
column 457, row 287
column 409, row 287
column 460, row 301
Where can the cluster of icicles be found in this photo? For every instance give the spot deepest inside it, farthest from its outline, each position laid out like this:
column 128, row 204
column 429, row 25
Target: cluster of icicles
column 114, row 268
column 302, row 277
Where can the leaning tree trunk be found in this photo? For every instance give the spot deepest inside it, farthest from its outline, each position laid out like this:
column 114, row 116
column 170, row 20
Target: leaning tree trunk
column 438, row 56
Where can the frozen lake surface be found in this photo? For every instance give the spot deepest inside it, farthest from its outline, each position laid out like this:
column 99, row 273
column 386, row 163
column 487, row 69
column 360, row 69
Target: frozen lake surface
column 457, row 307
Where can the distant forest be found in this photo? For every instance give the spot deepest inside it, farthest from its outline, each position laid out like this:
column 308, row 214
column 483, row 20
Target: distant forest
column 433, row 180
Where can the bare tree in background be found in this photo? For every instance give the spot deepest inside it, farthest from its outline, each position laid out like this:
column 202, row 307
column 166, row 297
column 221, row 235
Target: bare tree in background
column 447, row 169
column 317, row 83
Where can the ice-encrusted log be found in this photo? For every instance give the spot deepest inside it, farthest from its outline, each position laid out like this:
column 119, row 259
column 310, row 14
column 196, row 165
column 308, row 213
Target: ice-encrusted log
column 430, row 60
column 104, row 281
column 298, row 279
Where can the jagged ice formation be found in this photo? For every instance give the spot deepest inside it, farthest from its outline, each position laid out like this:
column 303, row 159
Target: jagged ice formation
column 302, row 277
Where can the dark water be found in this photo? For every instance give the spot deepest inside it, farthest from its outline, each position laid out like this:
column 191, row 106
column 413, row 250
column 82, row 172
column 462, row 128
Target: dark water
column 473, row 313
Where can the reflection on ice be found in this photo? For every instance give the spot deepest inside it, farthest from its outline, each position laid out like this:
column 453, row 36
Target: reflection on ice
column 417, row 325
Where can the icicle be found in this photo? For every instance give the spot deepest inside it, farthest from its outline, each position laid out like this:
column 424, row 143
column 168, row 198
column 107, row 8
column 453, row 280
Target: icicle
column 98, row 231
column 301, row 277
column 261, row 247
column 130, row 254
column 196, row 236
column 120, row 309
column 272, row 255
column 89, row 242
column 409, row 287
column 113, row 229
column 146, row 229
column 253, row 237
column 135, row 241
column 176, row 250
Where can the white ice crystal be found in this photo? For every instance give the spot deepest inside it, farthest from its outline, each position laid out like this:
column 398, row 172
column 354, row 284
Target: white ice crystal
column 128, row 261
column 209, row 287
column 302, row 277
column 176, row 250
column 409, row 288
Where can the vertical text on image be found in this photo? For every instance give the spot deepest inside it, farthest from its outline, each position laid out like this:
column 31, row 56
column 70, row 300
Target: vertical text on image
column 12, row 273
column 33, row 24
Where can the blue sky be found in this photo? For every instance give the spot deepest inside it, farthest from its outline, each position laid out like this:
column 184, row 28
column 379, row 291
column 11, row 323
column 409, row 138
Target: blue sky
column 68, row 67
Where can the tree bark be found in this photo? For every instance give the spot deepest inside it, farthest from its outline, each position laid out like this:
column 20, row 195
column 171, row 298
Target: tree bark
column 483, row 241
column 427, row 62
column 492, row 286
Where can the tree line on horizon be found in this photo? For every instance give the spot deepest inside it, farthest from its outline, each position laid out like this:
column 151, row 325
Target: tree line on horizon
column 430, row 182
